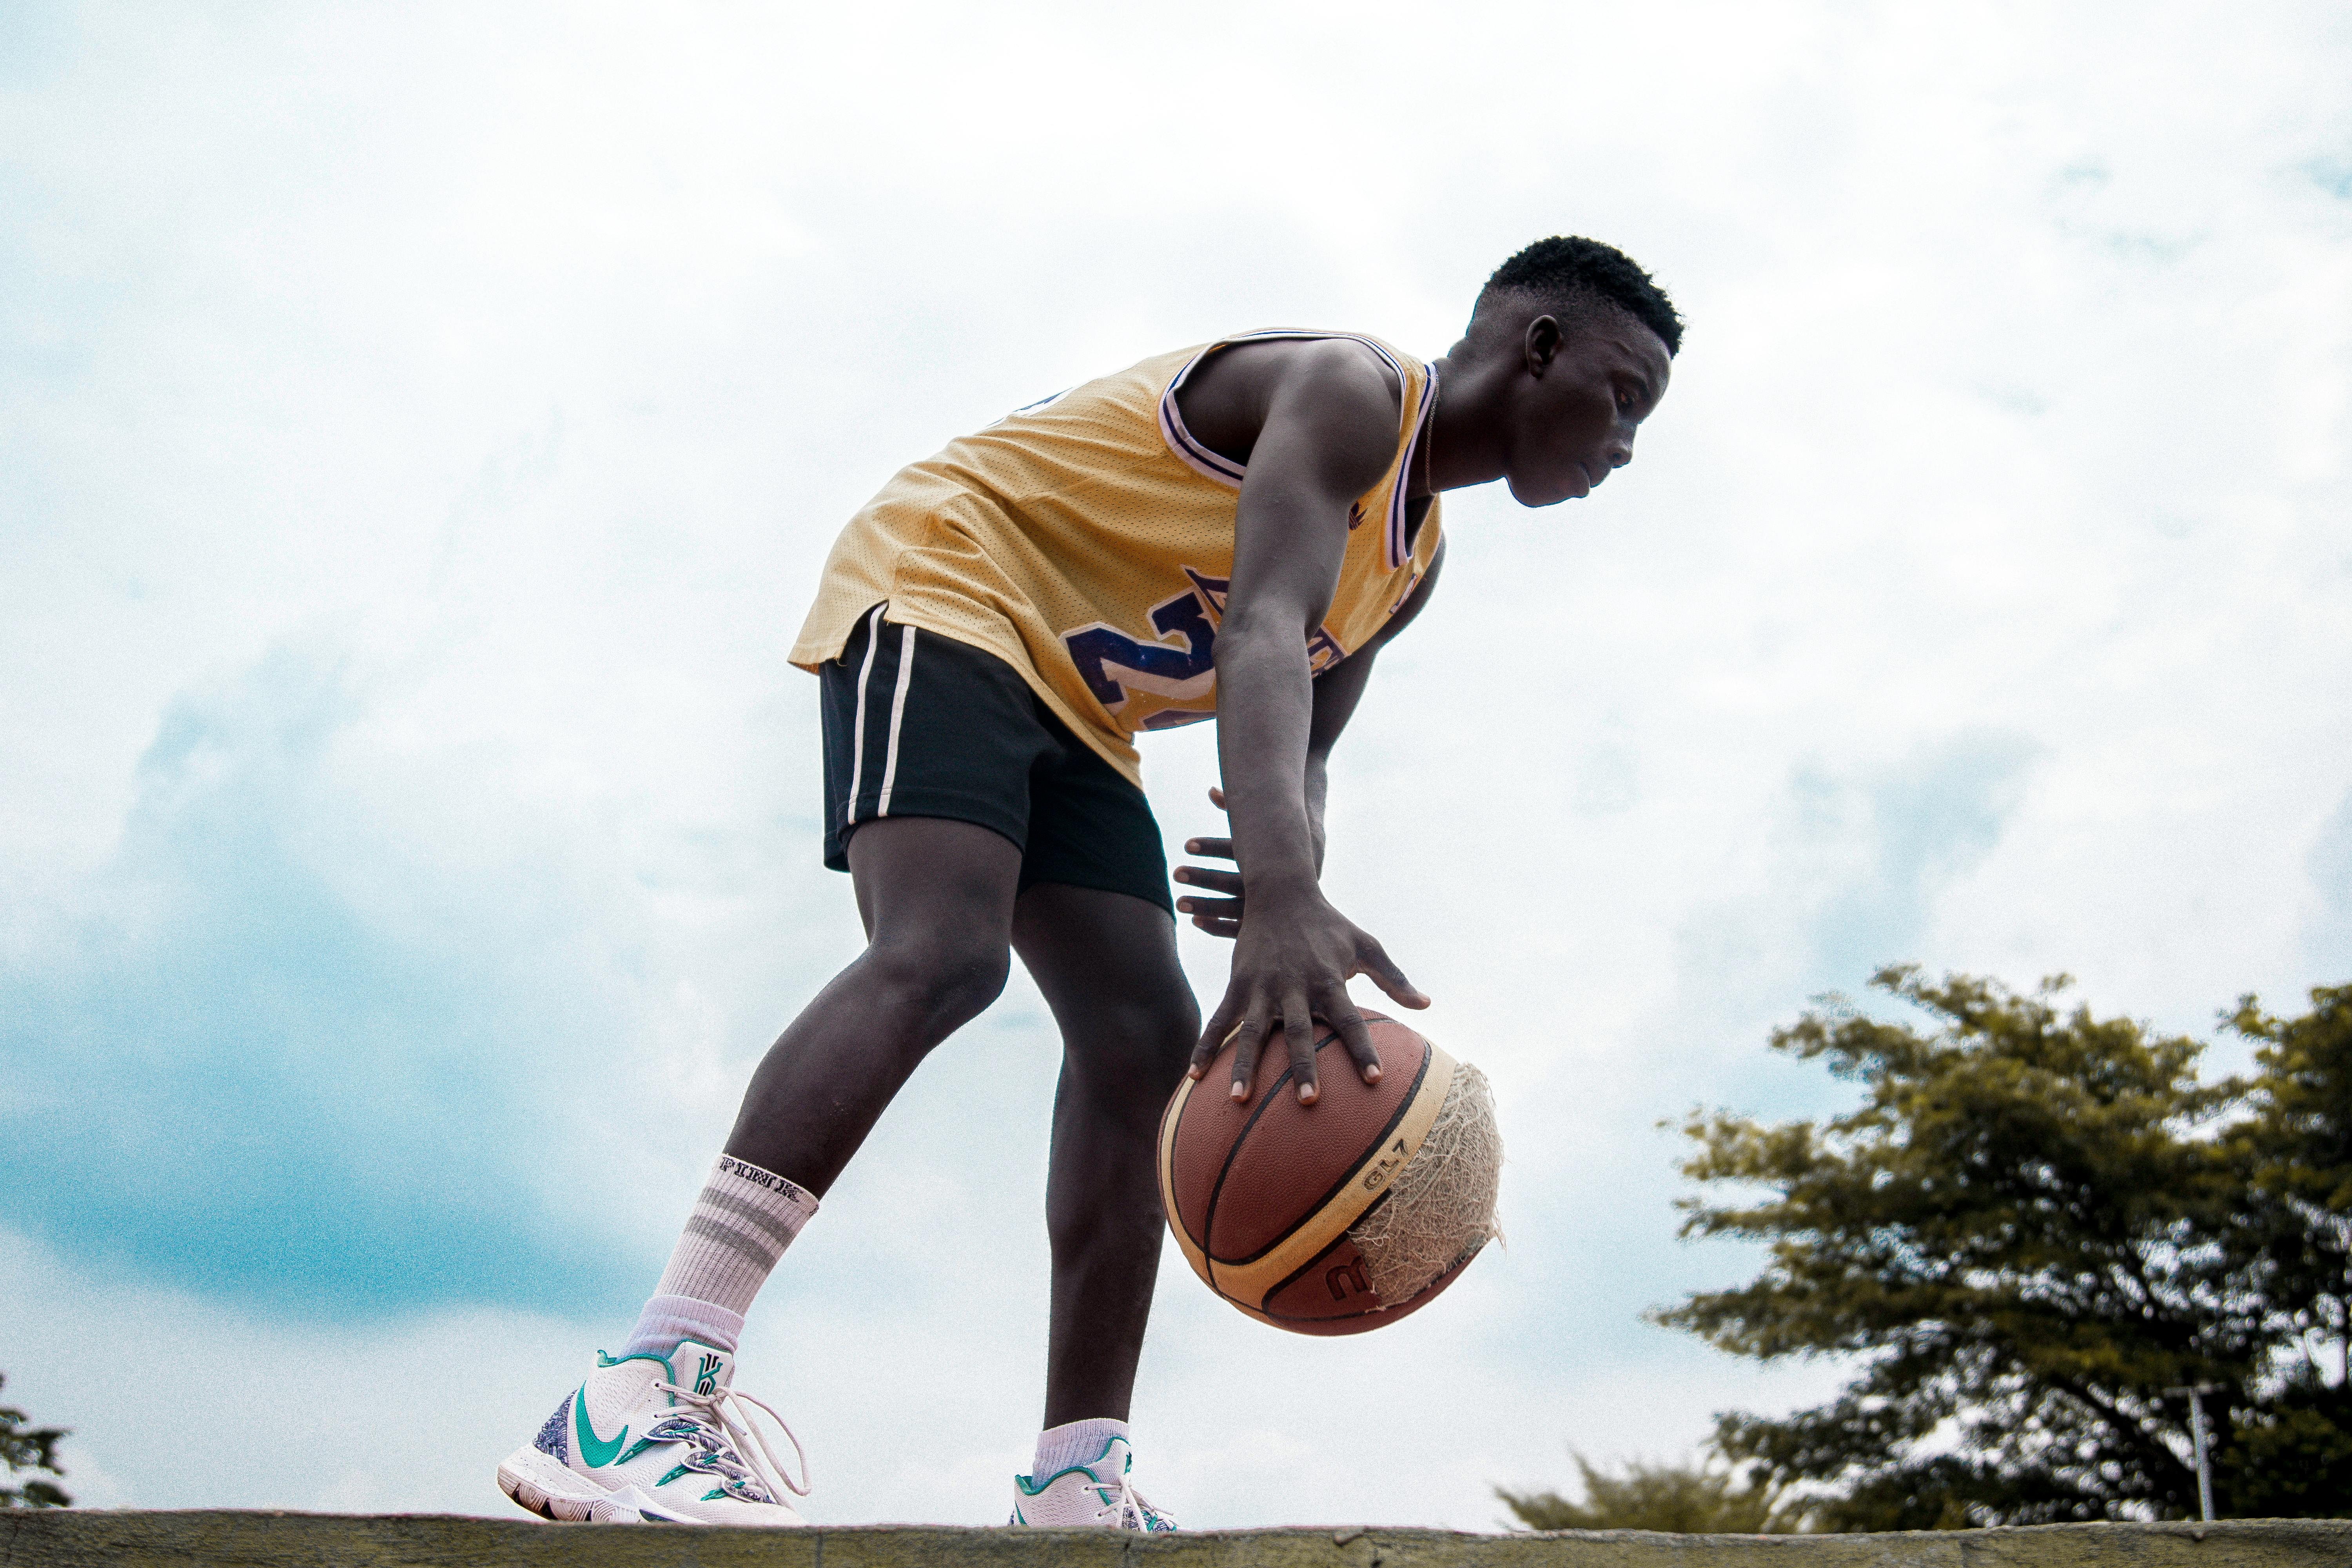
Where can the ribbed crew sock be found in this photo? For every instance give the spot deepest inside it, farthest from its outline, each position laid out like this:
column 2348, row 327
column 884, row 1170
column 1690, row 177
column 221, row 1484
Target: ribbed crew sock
column 741, row 1223
column 1077, row 1442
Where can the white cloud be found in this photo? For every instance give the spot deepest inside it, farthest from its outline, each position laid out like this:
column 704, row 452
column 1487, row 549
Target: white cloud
column 1979, row 592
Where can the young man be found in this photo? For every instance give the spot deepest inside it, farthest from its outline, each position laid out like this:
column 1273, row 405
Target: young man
column 1230, row 533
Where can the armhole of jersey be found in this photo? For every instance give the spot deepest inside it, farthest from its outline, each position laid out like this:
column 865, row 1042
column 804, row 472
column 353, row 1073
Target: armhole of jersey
column 1210, row 465
column 1398, row 546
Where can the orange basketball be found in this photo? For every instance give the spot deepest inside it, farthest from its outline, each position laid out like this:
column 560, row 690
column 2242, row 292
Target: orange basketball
column 1342, row 1215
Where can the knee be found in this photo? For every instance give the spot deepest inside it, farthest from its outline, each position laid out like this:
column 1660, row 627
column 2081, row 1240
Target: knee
column 1131, row 1051
column 941, row 985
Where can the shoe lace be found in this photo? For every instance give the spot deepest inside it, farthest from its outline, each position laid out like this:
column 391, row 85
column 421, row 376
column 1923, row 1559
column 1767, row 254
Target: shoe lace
column 712, row 1410
column 1134, row 1510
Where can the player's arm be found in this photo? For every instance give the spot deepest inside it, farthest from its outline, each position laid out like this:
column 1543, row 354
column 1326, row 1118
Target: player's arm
column 1327, row 436
column 1340, row 688
column 1337, row 692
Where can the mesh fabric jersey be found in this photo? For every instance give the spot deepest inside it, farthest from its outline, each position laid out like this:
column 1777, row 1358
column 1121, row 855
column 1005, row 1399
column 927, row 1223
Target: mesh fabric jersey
column 1087, row 540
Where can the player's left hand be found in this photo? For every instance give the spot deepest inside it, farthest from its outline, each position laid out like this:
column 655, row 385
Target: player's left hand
column 1218, row 917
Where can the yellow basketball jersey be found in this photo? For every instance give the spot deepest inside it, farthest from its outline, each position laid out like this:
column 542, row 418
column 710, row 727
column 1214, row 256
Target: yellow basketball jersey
column 1087, row 540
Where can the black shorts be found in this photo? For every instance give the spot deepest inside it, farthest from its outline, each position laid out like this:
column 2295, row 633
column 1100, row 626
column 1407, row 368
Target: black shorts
column 917, row 724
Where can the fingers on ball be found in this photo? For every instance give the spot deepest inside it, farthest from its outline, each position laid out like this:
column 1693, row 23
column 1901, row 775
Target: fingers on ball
column 1356, row 1035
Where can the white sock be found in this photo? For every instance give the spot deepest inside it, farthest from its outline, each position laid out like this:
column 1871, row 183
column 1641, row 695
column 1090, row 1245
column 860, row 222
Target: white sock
column 1075, row 1443
column 665, row 1320
column 741, row 1223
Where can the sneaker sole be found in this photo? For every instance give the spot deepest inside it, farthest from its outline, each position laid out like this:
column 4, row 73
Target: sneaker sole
column 545, row 1486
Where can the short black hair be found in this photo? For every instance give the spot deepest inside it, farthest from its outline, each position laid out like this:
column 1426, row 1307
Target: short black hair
column 1566, row 268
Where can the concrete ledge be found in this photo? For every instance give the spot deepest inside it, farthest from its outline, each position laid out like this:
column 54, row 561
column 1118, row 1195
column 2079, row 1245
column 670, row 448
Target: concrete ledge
column 74, row 1538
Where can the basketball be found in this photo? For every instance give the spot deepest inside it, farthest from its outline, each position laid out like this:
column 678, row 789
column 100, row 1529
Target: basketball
column 1339, row 1216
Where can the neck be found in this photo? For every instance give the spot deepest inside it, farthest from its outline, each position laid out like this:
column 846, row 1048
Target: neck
column 1463, row 444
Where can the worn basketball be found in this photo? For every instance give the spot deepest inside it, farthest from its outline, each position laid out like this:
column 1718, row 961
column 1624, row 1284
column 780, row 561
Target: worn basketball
column 1342, row 1215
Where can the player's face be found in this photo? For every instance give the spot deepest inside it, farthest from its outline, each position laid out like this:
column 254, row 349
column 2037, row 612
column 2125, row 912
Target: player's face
column 1584, row 388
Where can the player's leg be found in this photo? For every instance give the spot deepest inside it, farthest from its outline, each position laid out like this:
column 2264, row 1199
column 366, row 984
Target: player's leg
column 928, row 750
column 646, row 1435
column 1096, row 926
column 1107, row 965
column 937, row 897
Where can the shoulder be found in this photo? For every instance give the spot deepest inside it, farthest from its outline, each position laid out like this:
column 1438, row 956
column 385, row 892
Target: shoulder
column 1341, row 400
column 1345, row 374
column 1335, row 401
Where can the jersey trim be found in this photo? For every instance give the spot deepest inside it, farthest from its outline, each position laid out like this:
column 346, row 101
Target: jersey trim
column 1399, row 545
column 1214, row 466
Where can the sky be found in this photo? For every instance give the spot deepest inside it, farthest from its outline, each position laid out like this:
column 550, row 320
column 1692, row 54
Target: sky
column 420, row 428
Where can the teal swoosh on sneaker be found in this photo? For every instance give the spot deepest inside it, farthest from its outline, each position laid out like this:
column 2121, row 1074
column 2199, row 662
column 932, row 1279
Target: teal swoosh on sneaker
column 594, row 1450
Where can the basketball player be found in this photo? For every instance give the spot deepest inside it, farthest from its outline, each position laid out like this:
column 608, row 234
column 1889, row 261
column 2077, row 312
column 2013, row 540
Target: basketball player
column 1232, row 532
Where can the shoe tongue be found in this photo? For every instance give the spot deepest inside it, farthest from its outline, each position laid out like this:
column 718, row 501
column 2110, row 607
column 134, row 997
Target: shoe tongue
column 705, row 1369
column 1116, row 1457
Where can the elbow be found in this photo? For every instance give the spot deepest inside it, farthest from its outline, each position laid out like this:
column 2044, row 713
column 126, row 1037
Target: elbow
column 1259, row 634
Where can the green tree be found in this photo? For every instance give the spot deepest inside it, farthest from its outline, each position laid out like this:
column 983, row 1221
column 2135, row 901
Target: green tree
column 2025, row 1234
column 2291, row 1453
column 1685, row 1499
column 24, row 1447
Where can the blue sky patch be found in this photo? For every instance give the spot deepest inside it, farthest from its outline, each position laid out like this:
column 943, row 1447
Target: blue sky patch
column 235, row 1077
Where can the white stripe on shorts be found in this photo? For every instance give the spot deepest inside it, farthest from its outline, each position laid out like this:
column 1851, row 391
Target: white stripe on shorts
column 858, row 734
column 897, row 712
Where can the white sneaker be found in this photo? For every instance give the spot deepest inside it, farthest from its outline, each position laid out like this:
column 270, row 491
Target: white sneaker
column 676, row 1454
column 1089, row 1496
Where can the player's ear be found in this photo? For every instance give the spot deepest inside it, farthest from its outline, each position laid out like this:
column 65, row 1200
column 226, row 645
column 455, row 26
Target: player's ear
column 1541, row 344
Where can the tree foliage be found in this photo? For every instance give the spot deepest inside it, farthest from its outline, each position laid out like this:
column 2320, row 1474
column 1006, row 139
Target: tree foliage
column 2293, row 1451
column 1686, row 1498
column 24, row 1447
column 2035, row 1224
